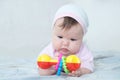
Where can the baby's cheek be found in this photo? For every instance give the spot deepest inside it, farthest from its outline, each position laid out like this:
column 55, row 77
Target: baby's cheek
column 75, row 49
column 56, row 45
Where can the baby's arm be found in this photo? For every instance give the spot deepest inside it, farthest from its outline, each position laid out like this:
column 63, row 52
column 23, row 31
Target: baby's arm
column 80, row 72
column 45, row 72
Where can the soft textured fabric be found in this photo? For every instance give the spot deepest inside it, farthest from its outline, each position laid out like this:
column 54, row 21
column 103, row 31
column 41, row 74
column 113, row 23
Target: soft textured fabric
column 84, row 54
column 75, row 12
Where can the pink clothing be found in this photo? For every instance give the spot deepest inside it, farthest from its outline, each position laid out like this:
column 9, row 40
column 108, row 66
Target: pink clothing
column 84, row 54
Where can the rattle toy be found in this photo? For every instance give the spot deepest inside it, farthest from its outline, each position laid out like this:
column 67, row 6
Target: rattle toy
column 68, row 64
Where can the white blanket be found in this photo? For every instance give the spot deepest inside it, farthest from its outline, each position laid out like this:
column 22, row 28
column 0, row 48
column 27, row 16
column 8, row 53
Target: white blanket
column 107, row 67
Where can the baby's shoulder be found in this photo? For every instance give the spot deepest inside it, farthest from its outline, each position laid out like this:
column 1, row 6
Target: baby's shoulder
column 48, row 49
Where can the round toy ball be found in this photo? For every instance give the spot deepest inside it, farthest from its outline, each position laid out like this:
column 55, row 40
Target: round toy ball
column 73, row 63
column 43, row 61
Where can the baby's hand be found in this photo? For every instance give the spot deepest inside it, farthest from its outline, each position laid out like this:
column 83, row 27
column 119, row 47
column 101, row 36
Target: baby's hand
column 75, row 73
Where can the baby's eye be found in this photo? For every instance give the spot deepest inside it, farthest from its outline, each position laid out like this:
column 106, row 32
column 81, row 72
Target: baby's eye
column 60, row 37
column 73, row 39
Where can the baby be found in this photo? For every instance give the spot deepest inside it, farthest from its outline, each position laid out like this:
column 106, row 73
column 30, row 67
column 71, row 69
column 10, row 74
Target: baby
column 69, row 27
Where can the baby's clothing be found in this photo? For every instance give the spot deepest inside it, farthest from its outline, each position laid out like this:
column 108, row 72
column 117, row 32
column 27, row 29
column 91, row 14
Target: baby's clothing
column 75, row 12
column 84, row 54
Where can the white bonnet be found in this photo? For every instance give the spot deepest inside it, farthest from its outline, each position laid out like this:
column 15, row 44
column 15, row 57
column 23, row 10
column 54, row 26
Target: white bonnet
column 75, row 12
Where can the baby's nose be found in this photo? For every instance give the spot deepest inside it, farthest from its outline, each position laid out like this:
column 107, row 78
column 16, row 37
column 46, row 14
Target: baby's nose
column 65, row 42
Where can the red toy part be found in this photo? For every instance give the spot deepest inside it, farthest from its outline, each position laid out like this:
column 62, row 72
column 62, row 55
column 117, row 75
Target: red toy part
column 73, row 66
column 44, row 65
column 44, row 61
column 73, row 63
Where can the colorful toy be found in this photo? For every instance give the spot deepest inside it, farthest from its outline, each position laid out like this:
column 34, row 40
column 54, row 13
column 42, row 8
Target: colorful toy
column 68, row 64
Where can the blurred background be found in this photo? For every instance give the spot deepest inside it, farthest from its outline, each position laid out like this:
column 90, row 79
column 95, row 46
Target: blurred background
column 25, row 25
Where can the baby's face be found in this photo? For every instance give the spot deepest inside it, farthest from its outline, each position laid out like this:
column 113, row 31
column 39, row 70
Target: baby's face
column 67, row 41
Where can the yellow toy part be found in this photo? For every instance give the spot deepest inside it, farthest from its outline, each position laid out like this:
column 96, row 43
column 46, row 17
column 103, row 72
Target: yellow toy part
column 45, row 61
column 72, row 59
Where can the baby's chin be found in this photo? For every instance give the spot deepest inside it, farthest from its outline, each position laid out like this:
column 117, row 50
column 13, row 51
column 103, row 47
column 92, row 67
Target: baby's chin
column 65, row 53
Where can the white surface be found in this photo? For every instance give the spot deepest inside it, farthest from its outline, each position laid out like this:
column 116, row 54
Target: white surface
column 107, row 67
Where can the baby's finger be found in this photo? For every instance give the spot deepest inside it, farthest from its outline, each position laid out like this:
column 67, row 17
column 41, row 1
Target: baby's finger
column 71, row 74
column 77, row 73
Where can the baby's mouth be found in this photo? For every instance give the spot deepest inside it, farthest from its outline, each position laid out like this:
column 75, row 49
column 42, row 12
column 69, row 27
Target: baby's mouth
column 64, row 51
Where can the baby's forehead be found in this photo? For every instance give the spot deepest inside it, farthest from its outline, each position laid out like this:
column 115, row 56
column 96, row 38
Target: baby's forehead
column 74, row 30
